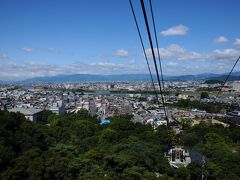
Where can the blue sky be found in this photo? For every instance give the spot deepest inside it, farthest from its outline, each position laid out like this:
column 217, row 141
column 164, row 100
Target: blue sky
column 50, row 37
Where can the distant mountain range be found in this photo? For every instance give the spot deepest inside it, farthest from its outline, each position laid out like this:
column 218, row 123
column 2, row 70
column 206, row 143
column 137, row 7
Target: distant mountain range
column 124, row 77
column 111, row 78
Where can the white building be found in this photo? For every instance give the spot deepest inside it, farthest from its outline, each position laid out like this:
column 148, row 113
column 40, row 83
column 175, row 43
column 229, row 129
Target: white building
column 236, row 86
column 178, row 157
column 58, row 108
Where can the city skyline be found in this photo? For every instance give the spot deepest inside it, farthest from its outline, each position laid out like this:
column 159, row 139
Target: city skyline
column 47, row 38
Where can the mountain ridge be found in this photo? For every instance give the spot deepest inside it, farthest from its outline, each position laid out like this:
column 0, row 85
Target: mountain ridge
column 123, row 78
column 120, row 77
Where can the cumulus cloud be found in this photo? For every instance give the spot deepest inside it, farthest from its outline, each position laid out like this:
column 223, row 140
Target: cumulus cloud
column 176, row 60
column 178, row 30
column 221, row 40
column 237, row 42
column 224, row 54
column 30, row 69
column 27, row 49
column 3, row 55
column 172, row 64
column 131, row 62
column 121, row 53
column 52, row 49
column 175, row 51
column 179, row 53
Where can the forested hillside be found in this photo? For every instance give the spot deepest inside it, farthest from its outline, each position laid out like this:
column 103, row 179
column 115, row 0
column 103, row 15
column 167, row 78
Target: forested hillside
column 75, row 146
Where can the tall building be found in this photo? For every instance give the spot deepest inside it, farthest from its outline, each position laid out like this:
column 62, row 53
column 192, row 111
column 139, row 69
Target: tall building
column 58, row 108
column 92, row 107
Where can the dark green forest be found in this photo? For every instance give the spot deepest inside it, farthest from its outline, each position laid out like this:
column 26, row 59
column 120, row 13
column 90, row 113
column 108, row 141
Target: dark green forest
column 75, row 146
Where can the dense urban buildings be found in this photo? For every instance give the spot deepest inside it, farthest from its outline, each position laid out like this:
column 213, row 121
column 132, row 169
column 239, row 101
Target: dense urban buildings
column 105, row 100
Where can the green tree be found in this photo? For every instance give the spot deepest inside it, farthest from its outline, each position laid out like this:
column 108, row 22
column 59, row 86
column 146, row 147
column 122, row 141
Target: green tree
column 108, row 135
column 186, row 122
column 190, row 139
column 45, row 115
column 204, row 95
column 214, row 171
column 135, row 173
column 182, row 173
column 52, row 119
column 195, row 169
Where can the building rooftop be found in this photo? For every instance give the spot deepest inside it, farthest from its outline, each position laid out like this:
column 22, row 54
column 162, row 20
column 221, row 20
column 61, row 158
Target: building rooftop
column 104, row 122
column 26, row 111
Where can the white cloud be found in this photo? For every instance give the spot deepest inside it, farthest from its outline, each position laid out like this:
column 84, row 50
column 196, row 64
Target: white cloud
column 237, row 42
column 131, row 62
column 178, row 30
column 3, row 56
column 52, row 49
column 221, row 40
column 172, row 64
column 176, row 60
column 175, row 51
column 178, row 53
column 17, row 71
column 121, row 53
column 224, row 53
column 27, row 49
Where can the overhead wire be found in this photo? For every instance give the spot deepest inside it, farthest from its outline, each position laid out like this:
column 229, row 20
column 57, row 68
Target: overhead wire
column 144, row 51
column 153, row 54
column 157, row 44
column 223, row 84
column 161, row 85
column 158, row 51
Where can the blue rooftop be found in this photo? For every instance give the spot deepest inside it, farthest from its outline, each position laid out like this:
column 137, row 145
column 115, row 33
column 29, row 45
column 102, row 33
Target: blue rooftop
column 104, row 122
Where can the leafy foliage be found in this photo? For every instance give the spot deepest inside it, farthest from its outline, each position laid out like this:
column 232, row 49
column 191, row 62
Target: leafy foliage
column 76, row 146
column 219, row 145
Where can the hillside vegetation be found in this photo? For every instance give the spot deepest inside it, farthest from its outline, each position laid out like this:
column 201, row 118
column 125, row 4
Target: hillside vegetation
column 75, row 146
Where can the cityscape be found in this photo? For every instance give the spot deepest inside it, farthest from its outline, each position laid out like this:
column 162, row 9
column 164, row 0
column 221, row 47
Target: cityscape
column 119, row 90
column 108, row 99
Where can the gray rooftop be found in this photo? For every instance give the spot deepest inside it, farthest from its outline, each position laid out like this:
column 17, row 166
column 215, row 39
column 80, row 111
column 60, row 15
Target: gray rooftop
column 26, row 111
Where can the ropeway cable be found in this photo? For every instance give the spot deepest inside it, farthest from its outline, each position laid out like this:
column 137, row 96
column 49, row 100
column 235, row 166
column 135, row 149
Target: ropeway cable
column 223, row 84
column 144, row 51
column 154, row 58
column 158, row 51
